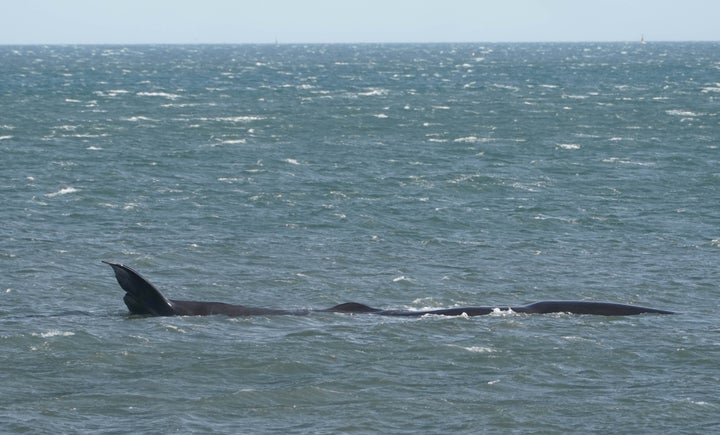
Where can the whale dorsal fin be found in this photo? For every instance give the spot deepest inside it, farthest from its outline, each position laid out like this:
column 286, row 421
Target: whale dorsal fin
column 141, row 297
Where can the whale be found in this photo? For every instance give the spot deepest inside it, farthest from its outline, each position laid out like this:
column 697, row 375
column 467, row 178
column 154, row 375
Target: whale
column 143, row 298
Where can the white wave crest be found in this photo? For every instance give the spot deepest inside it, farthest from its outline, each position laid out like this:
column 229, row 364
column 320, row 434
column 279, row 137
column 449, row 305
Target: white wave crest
column 63, row 191
column 677, row 112
column 53, row 333
column 480, row 349
column 569, row 146
column 167, row 95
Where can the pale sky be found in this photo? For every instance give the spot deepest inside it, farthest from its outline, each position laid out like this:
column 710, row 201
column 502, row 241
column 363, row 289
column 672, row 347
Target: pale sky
column 342, row 21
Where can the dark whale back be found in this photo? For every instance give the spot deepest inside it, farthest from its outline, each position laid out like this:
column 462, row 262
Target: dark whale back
column 352, row 307
column 585, row 307
column 193, row 308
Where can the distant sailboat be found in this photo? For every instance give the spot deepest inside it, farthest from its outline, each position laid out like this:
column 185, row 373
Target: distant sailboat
column 642, row 39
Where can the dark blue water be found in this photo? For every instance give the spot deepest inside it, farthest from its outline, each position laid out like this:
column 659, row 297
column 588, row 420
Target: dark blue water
column 401, row 176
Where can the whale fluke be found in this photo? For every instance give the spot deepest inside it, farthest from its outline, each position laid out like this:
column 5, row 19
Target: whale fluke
column 141, row 297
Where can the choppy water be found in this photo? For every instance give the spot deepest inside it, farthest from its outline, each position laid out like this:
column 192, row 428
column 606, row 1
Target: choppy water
column 401, row 176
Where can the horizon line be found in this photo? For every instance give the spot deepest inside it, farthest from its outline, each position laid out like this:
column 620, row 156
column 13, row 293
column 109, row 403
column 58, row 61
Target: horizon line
column 355, row 42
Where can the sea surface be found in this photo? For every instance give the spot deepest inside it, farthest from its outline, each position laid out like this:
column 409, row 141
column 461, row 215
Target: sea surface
column 399, row 176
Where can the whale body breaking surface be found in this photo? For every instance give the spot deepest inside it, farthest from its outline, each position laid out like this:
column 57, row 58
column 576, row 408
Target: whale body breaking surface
column 141, row 297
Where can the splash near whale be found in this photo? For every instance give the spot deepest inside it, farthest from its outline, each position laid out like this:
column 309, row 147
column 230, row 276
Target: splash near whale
column 141, row 297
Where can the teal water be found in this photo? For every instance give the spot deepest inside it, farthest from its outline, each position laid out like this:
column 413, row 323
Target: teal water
column 400, row 176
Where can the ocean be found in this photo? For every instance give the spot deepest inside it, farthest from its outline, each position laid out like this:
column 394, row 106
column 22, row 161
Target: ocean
column 402, row 176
